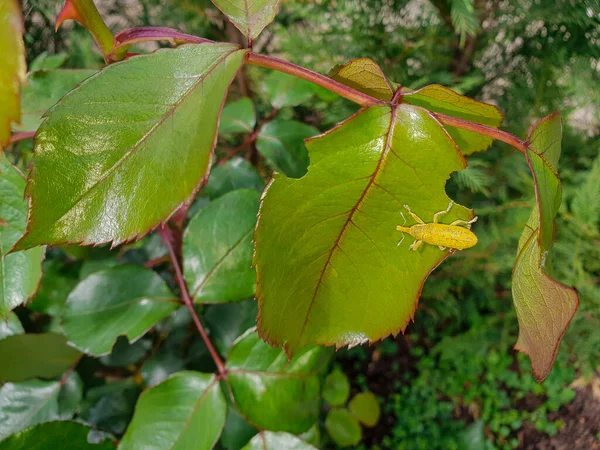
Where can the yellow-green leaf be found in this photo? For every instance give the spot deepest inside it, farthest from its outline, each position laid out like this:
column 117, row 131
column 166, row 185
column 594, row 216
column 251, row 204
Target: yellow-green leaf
column 363, row 74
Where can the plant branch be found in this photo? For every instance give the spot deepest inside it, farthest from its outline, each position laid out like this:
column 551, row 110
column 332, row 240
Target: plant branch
column 270, row 62
column 165, row 234
column 494, row 133
column 21, row 136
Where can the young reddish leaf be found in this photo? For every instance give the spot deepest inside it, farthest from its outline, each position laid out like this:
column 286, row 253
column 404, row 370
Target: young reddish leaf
column 85, row 12
column 122, row 151
column 442, row 100
column 12, row 62
column 544, row 306
column 44, row 88
column 363, row 74
column 20, row 272
column 329, row 267
column 248, row 16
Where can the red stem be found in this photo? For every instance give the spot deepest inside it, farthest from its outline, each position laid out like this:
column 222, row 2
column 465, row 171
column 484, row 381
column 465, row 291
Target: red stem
column 165, row 234
column 254, row 59
column 500, row 135
column 21, row 136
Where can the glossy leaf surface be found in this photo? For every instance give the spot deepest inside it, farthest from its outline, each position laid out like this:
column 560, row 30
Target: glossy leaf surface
column 544, row 306
column 236, row 173
column 287, row 90
column 365, row 409
column 63, row 435
column 268, row 440
column 442, row 100
column 249, row 16
column 281, row 142
column 20, row 272
column 229, row 321
column 217, row 249
column 123, row 300
column 337, row 388
column 10, row 326
column 43, row 89
column 272, row 392
column 31, row 402
column 12, row 62
column 329, row 267
column 25, row 356
column 238, row 117
column 125, row 147
column 363, row 74
column 343, row 427
column 186, row 411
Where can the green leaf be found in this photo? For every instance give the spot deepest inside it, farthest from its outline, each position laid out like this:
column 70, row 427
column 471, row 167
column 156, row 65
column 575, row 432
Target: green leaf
column 282, row 143
column 267, row 440
column 123, row 300
column 10, row 326
column 442, row 100
column 46, row 61
column 272, row 392
column 337, row 388
column 217, row 249
column 186, row 411
column 329, row 267
column 237, row 431
column 464, row 19
column 238, row 117
column 63, row 435
column 586, row 203
column 364, row 75
column 343, row 428
column 57, row 282
column 236, row 173
column 544, row 306
column 31, row 402
column 229, row 321
column 124, row 147
column 44, row 355
column 110, row 407
column 123, row 353
column 20, row 272
column 44, row 89
column 473, row 438
column 12, row 61
column 365, row 408
column 287, row 90
column 248, row 16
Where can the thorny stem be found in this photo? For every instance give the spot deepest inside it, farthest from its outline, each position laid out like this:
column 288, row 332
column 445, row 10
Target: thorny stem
column 165, row 235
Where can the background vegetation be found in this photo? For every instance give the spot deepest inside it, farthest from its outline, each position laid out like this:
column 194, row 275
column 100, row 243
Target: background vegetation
column 453, row 381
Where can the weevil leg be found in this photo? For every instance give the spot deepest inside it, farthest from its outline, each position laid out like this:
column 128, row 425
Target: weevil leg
column 440, row 213
column 464, row 222
column 414, row 216
column 404, row 218
column 415, row 245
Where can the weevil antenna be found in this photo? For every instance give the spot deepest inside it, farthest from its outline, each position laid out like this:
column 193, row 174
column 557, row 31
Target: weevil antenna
column 404, row 218
column 400, row 242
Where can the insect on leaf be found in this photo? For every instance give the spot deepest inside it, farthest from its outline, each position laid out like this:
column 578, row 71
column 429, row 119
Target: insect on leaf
column 329, row 268
column 544, row 306
column 125, row 146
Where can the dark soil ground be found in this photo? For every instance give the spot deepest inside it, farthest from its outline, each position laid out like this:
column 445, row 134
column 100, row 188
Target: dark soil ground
column 581, row 417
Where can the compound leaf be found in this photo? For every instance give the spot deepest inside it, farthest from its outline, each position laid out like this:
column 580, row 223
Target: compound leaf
column 343, row 427
column 268, row 440
column 186, row 411
column 337, row 388
column 123, row 300
column 442, row 100
column 329, row 267
column 248, row 16
column 63, row 435
column 365, row 409
column 363, row 74
column 544, row 306
column 272, row 392
column 217, row 249
column 27, row 356
column 20, row 272
column 12, row 61
column 43, row 89
column 125, row 134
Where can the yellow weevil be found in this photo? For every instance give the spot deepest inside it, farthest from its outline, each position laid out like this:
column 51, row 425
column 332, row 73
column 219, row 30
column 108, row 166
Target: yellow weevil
column 453, row 236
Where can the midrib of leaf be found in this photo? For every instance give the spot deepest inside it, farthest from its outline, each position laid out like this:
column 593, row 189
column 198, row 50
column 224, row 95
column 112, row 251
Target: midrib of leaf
column 189, row 419
column 221, row 260
column 137, row 145
column 373, row 176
